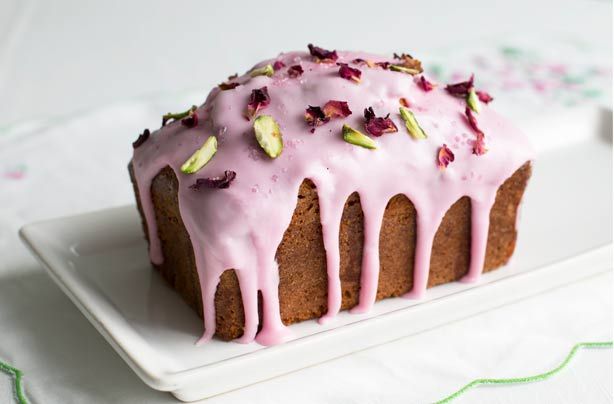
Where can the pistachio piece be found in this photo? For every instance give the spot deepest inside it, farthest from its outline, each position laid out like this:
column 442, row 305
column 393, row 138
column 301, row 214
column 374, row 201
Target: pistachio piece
column 200, row 156
column 412, row 124
column 263, row 71
column 357, row 138
column 403, row 69
column 268, row 135
column 472, row 101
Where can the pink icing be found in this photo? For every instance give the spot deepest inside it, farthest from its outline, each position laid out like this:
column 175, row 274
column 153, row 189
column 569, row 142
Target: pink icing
column 241, row 227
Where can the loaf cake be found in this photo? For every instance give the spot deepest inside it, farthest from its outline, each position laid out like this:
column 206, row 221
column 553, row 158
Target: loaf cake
column 322, row 181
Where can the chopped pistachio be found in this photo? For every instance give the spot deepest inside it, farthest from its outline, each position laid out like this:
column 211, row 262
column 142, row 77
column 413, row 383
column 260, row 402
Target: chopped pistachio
column 403, row 69
column 472, row 101
column 357, row 138
column 200, row 156
column 263, row 71
column 268, row 135
column 411, row 124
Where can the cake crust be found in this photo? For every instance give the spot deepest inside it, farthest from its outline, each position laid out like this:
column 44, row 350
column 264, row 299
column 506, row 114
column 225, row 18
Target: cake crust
column 301, row 256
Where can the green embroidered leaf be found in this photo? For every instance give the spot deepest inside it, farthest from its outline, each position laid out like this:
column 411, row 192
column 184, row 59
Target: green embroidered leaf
column 17, row 375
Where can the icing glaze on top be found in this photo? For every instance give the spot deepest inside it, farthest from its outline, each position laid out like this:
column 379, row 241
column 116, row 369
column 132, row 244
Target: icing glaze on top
column 241, row 227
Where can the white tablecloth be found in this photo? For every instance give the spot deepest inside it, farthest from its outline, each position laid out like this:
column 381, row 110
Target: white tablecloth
column 54, row 167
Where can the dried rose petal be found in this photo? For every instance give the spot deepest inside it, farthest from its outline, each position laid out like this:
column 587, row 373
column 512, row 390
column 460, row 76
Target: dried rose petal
column 215, row 182
column 295, row 71
column 404, row 102
column 336, row 109
column 191, row 120
column 349, row 73
column 360, row 61
column 322, row 55
column 141, row 139
column 473, row 122
column 377, row 126
column 258, row 99
column 383, row 65
column 425, row 84
column 233, row 76
column 460, row 89
column 278, row 65
column 228, row 86
column 444, row 157
column 479, row 147
column 315, row 116
column 190, row 113
column 484, row 96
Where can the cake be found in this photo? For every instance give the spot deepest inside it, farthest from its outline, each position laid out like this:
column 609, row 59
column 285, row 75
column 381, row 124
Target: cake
column 323, row 181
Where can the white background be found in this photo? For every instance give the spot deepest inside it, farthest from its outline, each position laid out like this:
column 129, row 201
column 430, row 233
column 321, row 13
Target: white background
column 60, row 57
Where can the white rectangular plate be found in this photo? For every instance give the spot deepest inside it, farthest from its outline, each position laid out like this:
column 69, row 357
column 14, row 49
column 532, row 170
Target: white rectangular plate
column 99, row 260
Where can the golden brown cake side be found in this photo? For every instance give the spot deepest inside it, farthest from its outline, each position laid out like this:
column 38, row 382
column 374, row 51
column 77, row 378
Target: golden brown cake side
column 302, row 259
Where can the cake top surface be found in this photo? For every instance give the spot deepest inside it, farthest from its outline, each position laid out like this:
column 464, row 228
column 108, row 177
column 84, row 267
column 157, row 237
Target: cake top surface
column 349, row 122
column 321, row 150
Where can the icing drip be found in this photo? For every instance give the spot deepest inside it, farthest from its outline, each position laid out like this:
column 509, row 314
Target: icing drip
column 426, row 228
column 480, row 220
column 373, row 210
column 241, row 227
column 330, row 212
